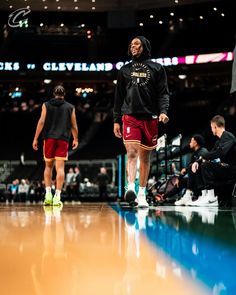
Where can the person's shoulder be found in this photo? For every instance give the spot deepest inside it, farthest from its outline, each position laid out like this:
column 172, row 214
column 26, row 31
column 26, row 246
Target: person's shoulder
column 154, row 64
column 126, row 66
column 69, row 104
column 203, row 150
column 229, row 134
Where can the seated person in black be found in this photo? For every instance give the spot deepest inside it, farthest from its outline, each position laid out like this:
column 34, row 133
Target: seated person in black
column 217, row 165
column 193, row 183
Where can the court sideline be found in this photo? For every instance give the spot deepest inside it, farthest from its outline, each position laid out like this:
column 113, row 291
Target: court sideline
column 99, row 248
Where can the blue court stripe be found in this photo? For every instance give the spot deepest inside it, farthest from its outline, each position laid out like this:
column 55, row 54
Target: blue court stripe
column 206, row 260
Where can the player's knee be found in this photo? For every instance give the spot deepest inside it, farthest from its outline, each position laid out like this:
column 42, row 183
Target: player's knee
column 132, row 153
column 60, row 173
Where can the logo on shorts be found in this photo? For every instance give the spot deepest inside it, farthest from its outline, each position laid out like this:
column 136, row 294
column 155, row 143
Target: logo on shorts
column 140, row 74
column 128, row 129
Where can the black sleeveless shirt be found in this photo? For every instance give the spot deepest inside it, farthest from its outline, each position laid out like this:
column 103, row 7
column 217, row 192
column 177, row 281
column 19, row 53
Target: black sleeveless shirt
column 58, row 119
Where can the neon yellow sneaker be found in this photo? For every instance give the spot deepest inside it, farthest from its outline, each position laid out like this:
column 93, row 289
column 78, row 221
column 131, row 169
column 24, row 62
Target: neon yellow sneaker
column 48, row 199
column 57, row 201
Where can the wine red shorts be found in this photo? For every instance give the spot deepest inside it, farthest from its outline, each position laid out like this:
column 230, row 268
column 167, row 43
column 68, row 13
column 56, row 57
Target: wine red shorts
column 142, row 132
column 55, row 149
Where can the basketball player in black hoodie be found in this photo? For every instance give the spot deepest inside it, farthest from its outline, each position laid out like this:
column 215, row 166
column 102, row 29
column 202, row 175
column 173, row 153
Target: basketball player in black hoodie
column 57, row 122
column 141, row 100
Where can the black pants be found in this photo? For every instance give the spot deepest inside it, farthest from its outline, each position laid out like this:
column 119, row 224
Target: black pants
column 192, row 182
column 222, row 179
column 212, row 173
column 195, row 182
column 103, row 192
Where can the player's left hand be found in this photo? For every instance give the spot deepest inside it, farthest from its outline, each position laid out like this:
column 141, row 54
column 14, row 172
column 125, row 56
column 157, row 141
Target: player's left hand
column 75, row 144
column 163, row 118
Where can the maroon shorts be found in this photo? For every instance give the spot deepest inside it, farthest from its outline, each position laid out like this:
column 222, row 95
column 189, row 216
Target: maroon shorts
column 55, row 149
column 142, row 132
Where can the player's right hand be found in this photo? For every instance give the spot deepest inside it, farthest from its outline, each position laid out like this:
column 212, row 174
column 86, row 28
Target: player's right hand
column 75, row 144
column 35, row 145
column 195, row 166
column 163, row 118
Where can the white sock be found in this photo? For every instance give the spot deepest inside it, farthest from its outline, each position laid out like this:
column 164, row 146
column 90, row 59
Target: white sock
column 142, row 190
column 58, row 193
column 211, row 193
column 131, row 186
column 204, row 192
column 48, row 189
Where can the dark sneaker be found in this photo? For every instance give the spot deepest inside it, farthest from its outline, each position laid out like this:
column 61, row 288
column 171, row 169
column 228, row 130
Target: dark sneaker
column 131, row 198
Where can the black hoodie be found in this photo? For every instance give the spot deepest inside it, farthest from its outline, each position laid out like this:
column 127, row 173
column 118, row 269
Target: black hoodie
column 58, row 119
column 141, row 89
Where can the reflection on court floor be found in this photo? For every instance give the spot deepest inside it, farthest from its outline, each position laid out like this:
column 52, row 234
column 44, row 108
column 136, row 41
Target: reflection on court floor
column 98, row 248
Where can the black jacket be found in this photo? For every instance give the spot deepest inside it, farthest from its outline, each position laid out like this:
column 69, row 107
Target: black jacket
column 224, row 149
column 201, row 152
column 141, row 89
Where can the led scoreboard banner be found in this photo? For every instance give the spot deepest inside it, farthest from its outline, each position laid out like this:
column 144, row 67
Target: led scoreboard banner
column 108, row 66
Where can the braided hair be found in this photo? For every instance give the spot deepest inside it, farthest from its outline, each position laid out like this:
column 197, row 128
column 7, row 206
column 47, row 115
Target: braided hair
column 59, row 91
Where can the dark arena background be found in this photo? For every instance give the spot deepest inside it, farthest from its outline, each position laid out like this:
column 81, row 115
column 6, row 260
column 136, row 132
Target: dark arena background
column 98, row 244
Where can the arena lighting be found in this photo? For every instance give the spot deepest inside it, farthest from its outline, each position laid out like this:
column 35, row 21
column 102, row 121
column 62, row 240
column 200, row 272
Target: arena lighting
column 47, row 81
column 16, row 94
column 182, row 77
column 108, row 66
column 86, row 89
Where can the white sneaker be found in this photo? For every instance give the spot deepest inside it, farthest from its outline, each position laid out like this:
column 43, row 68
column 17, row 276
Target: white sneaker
column 185, row 199
column 199, row 200
column 206, row 202
column 142, row 201
column 209, row 200
column 190, row 203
